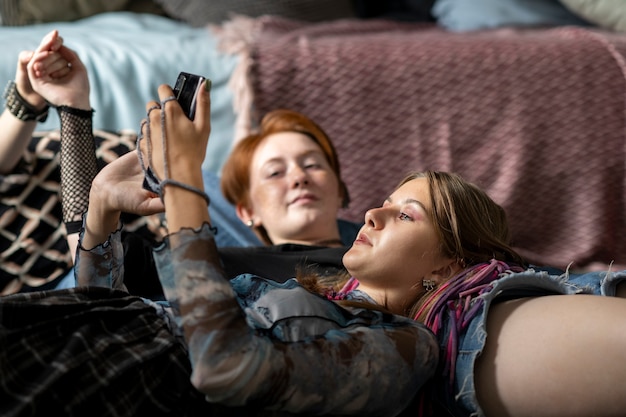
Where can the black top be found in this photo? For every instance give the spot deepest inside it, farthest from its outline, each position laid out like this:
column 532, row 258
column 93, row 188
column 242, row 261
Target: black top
column 278, row 262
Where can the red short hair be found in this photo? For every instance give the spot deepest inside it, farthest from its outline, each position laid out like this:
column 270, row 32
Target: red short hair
column 235, row 182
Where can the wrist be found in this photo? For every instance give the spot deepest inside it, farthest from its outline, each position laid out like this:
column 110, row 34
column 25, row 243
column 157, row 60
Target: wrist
column 184, row 208
column 76, row 103
column 186, row 175
column 99, row 225
column 191, row 191
column 76, row 111
column 185, row 201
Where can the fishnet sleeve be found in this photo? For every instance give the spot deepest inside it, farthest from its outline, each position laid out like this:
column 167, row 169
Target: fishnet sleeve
column 78, row 164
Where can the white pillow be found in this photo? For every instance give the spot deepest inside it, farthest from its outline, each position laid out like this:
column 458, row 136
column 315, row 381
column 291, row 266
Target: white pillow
column 609, row 14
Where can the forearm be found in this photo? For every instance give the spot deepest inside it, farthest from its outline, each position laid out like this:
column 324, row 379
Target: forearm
column 78, row 166
column 187, row 262
column 99, row 225
column 17, row 124
column 102, row 264
column 16, row 135
column 235, row 364
column 204, row 300
column 184, row 208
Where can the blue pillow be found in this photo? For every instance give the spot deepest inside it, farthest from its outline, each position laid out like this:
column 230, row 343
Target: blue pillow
column 467, row 15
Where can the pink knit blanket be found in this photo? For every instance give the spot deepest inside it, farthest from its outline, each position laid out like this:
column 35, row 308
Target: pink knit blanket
column 535, row 117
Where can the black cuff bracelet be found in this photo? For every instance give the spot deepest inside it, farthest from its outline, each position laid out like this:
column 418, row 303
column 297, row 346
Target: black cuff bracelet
column 73, row 227
column 20, row 108
column 84, row 114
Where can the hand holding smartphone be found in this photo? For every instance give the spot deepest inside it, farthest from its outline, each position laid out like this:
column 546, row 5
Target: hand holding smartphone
column 186, row 92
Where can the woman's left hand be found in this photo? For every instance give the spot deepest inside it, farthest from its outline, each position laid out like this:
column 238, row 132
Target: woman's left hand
column 180, row 150
column 119, row 187
column 183, row 143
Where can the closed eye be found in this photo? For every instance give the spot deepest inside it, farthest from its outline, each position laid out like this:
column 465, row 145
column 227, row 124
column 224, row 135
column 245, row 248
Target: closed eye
column 274, row 174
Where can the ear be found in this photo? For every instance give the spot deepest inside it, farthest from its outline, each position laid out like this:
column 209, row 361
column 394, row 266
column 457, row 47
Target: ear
column 450, row 268
column 244, row 213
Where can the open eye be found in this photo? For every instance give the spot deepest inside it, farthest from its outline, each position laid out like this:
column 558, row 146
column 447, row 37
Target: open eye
column 404, row 216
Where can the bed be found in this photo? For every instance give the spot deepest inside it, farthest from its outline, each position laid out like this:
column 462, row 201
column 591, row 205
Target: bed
column 535, row 115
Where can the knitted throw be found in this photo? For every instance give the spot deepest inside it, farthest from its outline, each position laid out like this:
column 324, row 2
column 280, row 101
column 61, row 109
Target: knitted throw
column 536, row 117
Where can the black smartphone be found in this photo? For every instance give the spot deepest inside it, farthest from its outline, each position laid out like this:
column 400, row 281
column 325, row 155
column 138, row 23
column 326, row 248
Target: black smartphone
column 186, row 92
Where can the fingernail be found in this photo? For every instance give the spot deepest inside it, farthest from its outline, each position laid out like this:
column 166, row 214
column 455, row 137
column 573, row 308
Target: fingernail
column 207, row 84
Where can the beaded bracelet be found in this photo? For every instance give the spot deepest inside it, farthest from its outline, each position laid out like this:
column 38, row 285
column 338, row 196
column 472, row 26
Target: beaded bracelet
column 20, row 108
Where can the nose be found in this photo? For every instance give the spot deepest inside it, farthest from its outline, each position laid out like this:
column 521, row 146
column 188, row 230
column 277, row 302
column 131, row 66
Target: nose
column 374, row 218
column 299, row 177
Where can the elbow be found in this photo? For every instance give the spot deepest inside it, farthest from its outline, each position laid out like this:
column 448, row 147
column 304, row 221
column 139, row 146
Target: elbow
column 231, row 378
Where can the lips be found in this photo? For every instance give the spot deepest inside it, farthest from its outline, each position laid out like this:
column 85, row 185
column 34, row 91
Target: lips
column 304, row 198
column 362, row 239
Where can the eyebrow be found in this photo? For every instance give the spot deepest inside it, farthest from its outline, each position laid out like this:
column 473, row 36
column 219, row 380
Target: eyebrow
column 410, row 201
column 305, row 154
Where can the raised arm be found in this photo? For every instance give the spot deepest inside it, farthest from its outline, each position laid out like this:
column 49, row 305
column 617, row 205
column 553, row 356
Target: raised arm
column 68, row 92
column 24, row 107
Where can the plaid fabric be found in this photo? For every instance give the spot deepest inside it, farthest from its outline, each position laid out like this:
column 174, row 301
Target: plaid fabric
column 91, row 351
column 34, row 254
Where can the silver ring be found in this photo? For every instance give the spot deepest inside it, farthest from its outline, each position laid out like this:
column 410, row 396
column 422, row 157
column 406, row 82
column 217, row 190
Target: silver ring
column 155, row 107
column 166, row 99
column 69, row 65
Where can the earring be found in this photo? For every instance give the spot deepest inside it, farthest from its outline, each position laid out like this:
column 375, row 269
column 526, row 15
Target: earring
column 429, row 284
column 250, row 224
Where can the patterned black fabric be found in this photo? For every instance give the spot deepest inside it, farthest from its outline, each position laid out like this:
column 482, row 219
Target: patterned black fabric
column 91, row 352
column 34, row 254
column 97, row 352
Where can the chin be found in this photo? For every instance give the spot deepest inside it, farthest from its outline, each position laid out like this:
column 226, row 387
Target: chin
column 348, row 258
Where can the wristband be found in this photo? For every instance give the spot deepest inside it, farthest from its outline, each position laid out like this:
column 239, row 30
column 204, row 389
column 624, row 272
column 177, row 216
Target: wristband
column 20, row 108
